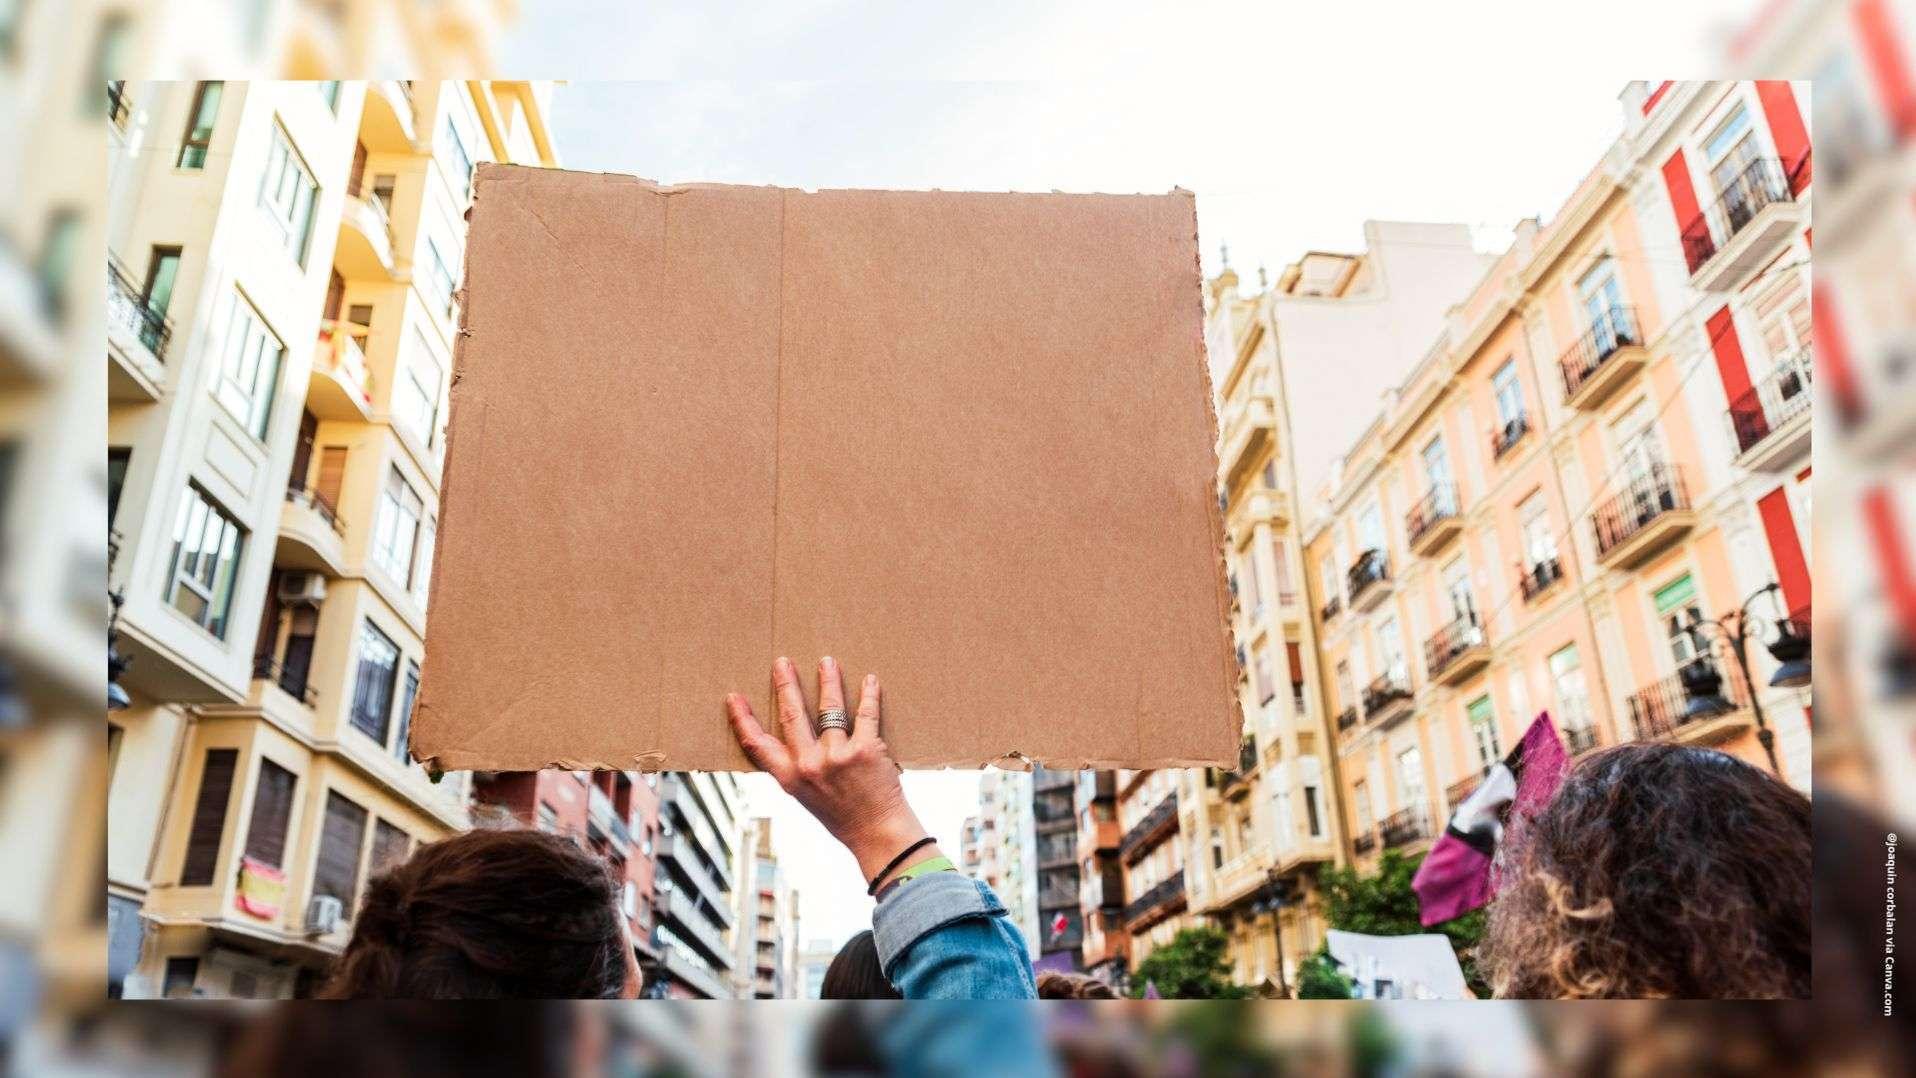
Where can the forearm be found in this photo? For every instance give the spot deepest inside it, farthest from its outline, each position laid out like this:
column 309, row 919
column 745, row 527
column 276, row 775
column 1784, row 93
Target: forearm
column 945, row 936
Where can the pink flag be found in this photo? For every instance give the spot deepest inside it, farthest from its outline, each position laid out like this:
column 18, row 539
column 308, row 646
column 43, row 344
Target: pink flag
column 1455, row 877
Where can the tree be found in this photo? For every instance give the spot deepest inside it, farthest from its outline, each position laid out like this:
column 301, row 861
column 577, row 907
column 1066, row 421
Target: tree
column 1192, row 966
column 1385, row 905
column 1318, row 978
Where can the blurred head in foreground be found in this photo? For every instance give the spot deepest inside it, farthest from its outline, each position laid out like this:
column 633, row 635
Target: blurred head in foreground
column 1658, row 871
column 856, row 974
column 490, row 914
column 1055, row 985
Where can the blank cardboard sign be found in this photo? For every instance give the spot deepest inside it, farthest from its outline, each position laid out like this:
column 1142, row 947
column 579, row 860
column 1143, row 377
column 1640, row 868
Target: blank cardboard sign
column 963, row 441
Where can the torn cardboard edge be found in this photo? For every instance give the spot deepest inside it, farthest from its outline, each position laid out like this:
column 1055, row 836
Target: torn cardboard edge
column 505, row 177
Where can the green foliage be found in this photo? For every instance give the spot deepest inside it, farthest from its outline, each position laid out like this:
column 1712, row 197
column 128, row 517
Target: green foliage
column 1373, row 1048
column 1224, row 1040
column 1384, row 905
column 1318, row 978
column 1194, row 965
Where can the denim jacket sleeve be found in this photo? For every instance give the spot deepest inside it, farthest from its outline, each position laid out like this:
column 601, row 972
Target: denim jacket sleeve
column 946, row 936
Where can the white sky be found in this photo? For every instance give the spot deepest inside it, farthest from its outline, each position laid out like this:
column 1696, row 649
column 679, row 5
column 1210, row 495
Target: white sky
column 1293, row 123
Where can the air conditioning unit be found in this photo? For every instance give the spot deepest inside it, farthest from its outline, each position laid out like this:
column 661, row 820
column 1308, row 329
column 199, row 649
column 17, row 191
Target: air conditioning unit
column 302, row 589
column 323, row 915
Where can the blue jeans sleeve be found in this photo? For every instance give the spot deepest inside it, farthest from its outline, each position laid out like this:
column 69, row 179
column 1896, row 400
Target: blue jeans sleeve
column 945, row 936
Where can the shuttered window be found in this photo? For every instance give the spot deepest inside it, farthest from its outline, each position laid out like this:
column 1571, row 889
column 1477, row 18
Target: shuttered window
column 209, row 818
column 332, row 474
column 272, row 811
column 390, row 846
column 340, row 839
column 373, row 690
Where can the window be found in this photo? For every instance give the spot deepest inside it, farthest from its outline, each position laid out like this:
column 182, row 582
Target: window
column 410, row 693
column 198, row 137
column 59, row 250
column 1370, row 528
column 329, row 93
column 209, row 818
column 340, row 838
column 1360, row 807
column 1539, row 544
column 1509, row 394
column 1410, row 777
column 1635, row 437
column 440, row 282
column 1602, row 295
column 272, row 812
column 391, row 846
column 1483, row 731
column 206, row 550
column 1729, row 150
column 181, row 972
column 1314, row 811
column 1331, row 579
column 109, row 53
column 416, row 396
column 549, row 822
column 1457, row 588
column 249, row 373
column 1573, row 697
column 1346, row 685
column 373, row 688
column 1437, row 476
column 287, row 193
column 397, row 529
column 1269, row 474
column 117, row 460
column 1294, row 660
column 1677, row 609
column 1253, row 591
column 162, row 270
column 459, row 161
column 1390, row 648
column 1266, row 685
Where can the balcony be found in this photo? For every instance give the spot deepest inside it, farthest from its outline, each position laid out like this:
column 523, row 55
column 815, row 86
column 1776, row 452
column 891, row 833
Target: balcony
column 1659, row 710
column 1368, row 579
column 119, row 104
column 291, row 680
column 1236, row 782
column 1058, row 892
column 136, row 340
column 1505, row 438
column 388, row 124
column 1433, row 522
column 1346, row 719
column 1387, row 698
column 1246, row 435
column 693, row 975
column 1456, row 652
column 1537, row 578
column 1578, row 740
column 1111, row 888
column 1599, row 362
column 1057, row 851
column 1267, row 505
column 365, row 251
column 312, row 538
column 1364, row 843
column 1754, row 213
column 1162, row 820
column 1236, row 879
column 1332, row 607
column 1635, row 525
column 690, row 922
column 1771, row 420
column 340, row 386
column 1161, row 901
column 1458, row 792
column 1105, row 836
column 1403, row 828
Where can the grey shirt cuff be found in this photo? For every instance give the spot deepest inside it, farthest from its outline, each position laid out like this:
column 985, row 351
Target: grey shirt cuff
column 923, row 905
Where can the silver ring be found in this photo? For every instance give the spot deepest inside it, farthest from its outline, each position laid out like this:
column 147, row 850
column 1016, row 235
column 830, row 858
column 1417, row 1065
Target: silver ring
column 832, row 718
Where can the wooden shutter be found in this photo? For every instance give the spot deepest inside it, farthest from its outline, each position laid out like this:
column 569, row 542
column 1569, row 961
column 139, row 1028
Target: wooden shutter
column 209, row 818
column 357, row 176
column 302, row 469
column 337, row 872
column 391, row 846
column 1296, row 661
column 272, row 811
column 332, row 473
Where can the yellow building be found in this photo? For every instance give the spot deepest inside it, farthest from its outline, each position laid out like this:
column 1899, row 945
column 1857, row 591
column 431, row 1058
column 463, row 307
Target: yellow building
column 284, row 260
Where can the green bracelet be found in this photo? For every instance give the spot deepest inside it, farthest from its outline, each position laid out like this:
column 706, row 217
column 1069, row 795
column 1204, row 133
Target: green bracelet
column 929, row 865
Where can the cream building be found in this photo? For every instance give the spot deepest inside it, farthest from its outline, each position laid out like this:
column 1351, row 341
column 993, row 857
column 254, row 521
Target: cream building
column 283, row 267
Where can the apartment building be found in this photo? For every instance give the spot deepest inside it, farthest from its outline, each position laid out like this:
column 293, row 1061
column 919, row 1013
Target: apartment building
column 614, row 814
column 1054, row 824
column 1008, row 847
column 767, row 912
column 699, row 853
column 281, row 307
column 1558, row 490
column 1106, row 950
column 1153, row 859
column 1296, row 364
column 814, row 958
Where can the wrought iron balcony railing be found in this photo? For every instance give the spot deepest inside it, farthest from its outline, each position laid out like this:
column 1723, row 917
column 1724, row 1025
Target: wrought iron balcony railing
column 1536, row 578
column 1655, row 492
column 128, row 307
column 1346, row 719
column 1762, row 183
column 1371, row 567
column 1777, row 399
column 1145, row 832
column 1160, row 896
column 1403, row 827
column 1505, row 438
column 1610, row 332
column 1439, row 505
column 1444, row 645
column 1661, row 708
column 1388, row 688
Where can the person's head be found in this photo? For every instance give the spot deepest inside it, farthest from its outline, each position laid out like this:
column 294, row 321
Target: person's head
column 490, row 914
column 1055, row 985
column 1657, row 871
column 856, row 974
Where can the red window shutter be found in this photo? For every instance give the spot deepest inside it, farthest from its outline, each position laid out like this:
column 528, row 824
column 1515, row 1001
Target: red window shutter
column 1786, row 128
column 1792, row 571
column 1694, row 231
column 1746, row 414
column 1881, row 42
column 209, row 818
column 1832, row 355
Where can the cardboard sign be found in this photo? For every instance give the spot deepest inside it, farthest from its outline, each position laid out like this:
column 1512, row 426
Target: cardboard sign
column 964, row 441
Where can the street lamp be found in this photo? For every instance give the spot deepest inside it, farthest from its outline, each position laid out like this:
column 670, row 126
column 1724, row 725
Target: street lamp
column 1730, row 634
column 1272, row 902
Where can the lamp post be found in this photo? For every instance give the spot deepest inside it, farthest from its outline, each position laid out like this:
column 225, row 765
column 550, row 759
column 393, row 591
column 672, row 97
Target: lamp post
column 1273, row 903
column 1731, row 634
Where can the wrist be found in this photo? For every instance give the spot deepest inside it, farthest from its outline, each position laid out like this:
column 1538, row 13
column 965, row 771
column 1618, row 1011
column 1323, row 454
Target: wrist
column 874, row 847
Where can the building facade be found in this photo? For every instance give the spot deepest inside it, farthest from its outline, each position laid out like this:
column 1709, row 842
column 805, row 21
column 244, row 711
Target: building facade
column 1106, row 950
column 281, row 307
column 1054, row 824
column 1153, row 859
column 767, row 911
column 699, row 853
column 1575, row 473
column 1008, row 858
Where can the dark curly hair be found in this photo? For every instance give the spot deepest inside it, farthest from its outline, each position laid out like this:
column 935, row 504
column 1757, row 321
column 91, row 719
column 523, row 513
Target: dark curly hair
column 1657, row 871
column 488, row 914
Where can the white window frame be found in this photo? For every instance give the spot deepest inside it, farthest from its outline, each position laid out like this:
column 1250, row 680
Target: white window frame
column 416, row 399
column 248, row 385
column 1506, row 389
column 400, row 507
column 288, row 193
column 221, row 534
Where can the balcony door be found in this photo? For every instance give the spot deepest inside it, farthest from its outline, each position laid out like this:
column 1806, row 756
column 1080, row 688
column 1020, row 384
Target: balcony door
column 1410, row 779
column 1437, row 477
column 1638, row 452
column 1457, row 587
column 1390, row 649
column 1730, row 151
column 1370, row 528
column 1677, row 608
column 1602, row 297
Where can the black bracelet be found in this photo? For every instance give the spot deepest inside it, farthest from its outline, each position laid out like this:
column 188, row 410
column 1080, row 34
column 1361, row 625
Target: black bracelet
column 899, row 860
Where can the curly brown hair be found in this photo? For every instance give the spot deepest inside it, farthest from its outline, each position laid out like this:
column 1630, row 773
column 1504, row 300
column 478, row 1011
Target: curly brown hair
column 1657, row 871
column 488, row 914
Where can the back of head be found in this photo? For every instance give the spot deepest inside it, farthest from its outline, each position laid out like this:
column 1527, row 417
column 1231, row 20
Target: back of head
column 856, row 974
column 1055, row 985
column 1657, row 871
column 488, row 914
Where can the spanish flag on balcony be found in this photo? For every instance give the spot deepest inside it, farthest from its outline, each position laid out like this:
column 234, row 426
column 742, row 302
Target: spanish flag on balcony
column 1455, row 877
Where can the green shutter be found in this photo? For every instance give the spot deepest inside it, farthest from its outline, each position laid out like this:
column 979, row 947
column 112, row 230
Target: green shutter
column 1675, row 595
column 1480, row 710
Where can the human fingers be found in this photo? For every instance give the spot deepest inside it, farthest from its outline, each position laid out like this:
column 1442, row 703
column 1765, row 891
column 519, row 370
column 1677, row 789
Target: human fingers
column 794, row 717
column 831, row 697
column 761, row 748
column 865, row 725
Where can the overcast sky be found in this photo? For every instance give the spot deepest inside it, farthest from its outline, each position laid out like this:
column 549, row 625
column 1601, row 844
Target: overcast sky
column 1294, row 124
